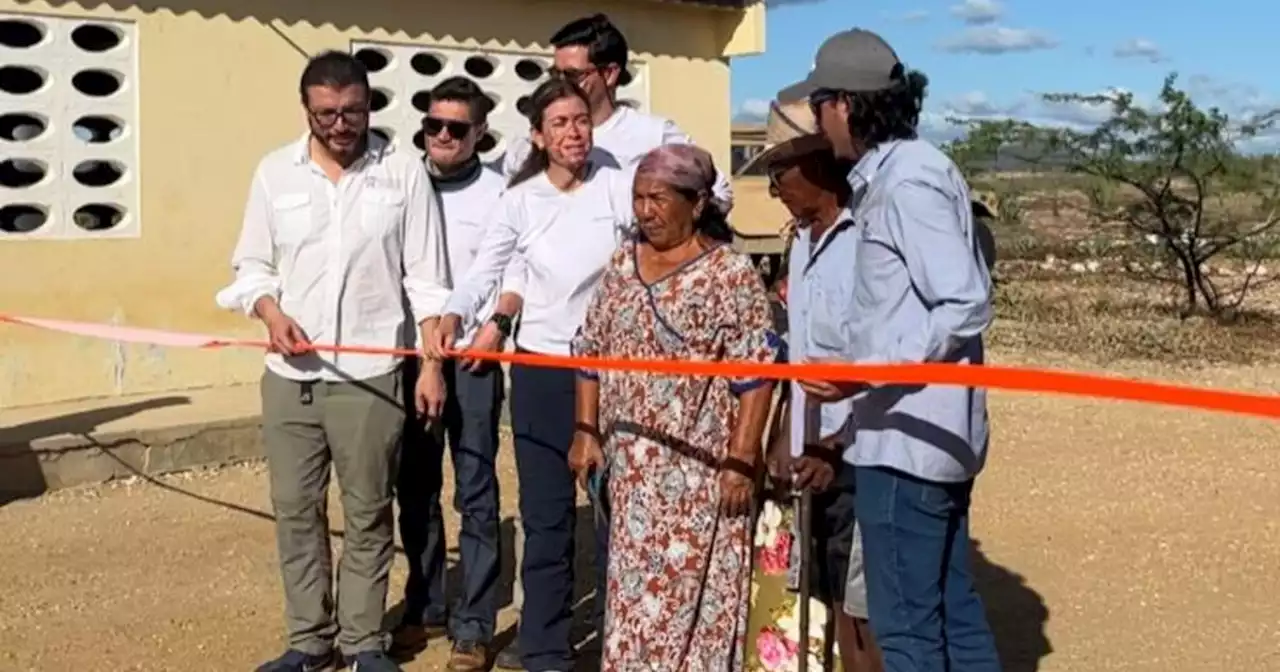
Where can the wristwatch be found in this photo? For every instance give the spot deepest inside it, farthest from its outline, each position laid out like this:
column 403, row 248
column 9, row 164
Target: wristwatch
column 503, row 322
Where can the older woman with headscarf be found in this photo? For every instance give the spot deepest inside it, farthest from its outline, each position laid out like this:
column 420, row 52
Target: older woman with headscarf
column 682, row 454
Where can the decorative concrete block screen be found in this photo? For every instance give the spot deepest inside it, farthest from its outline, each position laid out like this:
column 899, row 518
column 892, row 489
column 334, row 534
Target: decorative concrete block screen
column 68, row 133
column 402, row 75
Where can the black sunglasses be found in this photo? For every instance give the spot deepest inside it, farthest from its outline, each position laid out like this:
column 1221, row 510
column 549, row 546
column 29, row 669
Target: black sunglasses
column 434, row 125
column 817, row 98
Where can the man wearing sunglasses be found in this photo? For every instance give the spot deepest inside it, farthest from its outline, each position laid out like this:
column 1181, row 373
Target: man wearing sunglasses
column 921, row 292
column 340, row 232
column 592, row 53
column 456, row 119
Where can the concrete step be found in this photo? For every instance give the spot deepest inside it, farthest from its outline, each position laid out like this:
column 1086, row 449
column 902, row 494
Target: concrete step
column 56, row 446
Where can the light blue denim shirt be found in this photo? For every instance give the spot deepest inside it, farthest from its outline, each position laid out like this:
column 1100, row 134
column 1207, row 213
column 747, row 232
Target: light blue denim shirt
column 921, row 293
column 819, row 312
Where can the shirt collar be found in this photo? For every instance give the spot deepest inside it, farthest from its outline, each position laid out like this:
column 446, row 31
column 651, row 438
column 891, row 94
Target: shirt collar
column 843, row 221
column 375, row 150
column 865, row 170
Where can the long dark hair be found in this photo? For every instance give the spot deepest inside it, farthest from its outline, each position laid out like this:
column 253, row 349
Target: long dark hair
column 876, row 117
column 542, row 97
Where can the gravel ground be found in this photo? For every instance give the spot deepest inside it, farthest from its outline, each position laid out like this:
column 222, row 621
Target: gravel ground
column 1111, row 537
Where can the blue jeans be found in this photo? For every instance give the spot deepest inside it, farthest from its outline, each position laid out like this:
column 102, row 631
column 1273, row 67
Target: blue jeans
column 924, row 608
column 542, row 416
column 471, row 416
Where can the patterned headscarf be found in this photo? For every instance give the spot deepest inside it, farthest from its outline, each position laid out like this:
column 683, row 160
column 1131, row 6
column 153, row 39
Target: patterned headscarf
column 683, row 167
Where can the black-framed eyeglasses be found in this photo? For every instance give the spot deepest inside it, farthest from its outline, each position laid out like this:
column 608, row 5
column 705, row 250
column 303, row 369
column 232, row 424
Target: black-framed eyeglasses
column 573, row 75
column 353, row 116
column 434, row 125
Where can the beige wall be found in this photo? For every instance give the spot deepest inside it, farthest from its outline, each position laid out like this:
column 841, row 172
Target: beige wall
column 217, row 85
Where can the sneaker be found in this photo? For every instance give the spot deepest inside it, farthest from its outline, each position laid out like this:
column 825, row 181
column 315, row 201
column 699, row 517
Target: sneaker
column 412, row 638
column 468, row 657
column 509, row 658
column 297, row 661
column 371, row 661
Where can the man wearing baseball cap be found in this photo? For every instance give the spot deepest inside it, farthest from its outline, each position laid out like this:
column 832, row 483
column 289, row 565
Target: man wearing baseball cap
column 921, row 292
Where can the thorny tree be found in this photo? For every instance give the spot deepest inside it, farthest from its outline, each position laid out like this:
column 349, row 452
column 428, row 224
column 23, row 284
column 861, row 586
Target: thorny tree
column 1172, row 174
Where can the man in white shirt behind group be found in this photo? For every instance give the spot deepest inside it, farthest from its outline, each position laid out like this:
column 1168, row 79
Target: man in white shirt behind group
column 469, row 192
column 339, row 230
column 592, row 53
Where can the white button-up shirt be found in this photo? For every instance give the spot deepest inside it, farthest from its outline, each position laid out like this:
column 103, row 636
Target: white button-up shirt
column 350, row 261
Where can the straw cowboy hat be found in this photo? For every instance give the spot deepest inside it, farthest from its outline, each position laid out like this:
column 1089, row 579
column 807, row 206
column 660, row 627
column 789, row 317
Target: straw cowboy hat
column 791, row 131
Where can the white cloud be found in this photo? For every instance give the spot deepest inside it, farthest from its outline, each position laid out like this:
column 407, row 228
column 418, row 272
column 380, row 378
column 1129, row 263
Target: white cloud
column 978, row 12
column 913, row 16
column 1139, row 48
column 752, row 109
column 990, row 40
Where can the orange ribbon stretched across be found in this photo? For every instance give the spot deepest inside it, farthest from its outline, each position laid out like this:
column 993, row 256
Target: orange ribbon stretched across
column 986, row 376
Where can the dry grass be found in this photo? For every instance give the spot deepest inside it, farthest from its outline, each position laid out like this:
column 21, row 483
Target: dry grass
column 1107, row 318
column 1063, row 287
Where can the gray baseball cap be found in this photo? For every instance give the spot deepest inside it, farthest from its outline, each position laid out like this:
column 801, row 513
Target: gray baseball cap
column 853, row 60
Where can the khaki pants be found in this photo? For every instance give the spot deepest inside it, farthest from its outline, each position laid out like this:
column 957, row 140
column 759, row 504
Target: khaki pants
column 355, row 427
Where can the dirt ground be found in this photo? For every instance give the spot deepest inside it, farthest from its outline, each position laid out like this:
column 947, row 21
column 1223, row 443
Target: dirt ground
column 1112, row 537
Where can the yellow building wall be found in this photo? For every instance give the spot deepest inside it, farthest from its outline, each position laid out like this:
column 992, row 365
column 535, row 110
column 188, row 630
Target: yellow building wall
column 217, row 81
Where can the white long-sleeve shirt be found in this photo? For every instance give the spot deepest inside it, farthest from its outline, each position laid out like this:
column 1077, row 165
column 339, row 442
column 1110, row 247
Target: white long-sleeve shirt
column 468, row 209
column 563, row 241
column 628, row 135
column 342, row 259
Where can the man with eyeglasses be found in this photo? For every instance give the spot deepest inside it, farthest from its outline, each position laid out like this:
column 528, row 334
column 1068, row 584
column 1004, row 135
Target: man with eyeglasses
column 456, row 119
column 341, row 231
column 592, row 53
column 920, row 292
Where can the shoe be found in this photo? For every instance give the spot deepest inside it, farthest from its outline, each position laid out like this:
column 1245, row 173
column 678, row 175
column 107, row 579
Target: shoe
column 297, row 661
column 509, row 658
column 372, row 661
column 412, row 638
column 468, row 657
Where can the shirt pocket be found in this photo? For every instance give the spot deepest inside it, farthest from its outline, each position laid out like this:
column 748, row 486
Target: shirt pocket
column 381, row 211
column 830, row 309
column 291, row 218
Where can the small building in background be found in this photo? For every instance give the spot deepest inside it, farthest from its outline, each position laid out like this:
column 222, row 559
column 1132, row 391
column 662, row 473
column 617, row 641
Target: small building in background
column 129, row 130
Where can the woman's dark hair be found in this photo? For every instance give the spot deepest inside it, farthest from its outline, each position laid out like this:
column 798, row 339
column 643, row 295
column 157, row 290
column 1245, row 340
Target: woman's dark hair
column 542, row 97
column 889, row 114
column 714, row 225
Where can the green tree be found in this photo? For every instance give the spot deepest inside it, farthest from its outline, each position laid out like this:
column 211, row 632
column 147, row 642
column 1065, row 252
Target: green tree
column 1172, row 174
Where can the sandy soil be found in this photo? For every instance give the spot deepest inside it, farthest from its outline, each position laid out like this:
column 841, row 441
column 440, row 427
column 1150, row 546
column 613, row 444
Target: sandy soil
column 1112, row 537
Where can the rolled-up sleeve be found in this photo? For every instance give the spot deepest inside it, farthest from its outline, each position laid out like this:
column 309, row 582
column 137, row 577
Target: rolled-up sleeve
column 926, row 224
column 253, row 259
column 723, row 189
column 426, row 266
column 497, row 247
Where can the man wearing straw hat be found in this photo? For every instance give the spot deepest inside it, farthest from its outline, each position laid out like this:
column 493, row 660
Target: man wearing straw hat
column 920, row 292
column 806, row 176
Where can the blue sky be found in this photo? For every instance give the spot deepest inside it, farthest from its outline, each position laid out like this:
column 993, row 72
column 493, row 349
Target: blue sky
column 991, row 57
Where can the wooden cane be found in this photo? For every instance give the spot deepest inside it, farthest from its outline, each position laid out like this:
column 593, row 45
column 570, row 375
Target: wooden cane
column 804, row 510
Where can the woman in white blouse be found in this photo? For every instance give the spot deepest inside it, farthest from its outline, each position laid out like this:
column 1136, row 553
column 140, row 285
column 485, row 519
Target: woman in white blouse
column 562, row 217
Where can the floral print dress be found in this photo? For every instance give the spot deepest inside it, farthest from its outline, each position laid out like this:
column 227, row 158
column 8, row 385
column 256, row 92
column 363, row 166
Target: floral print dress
column 679, row 572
